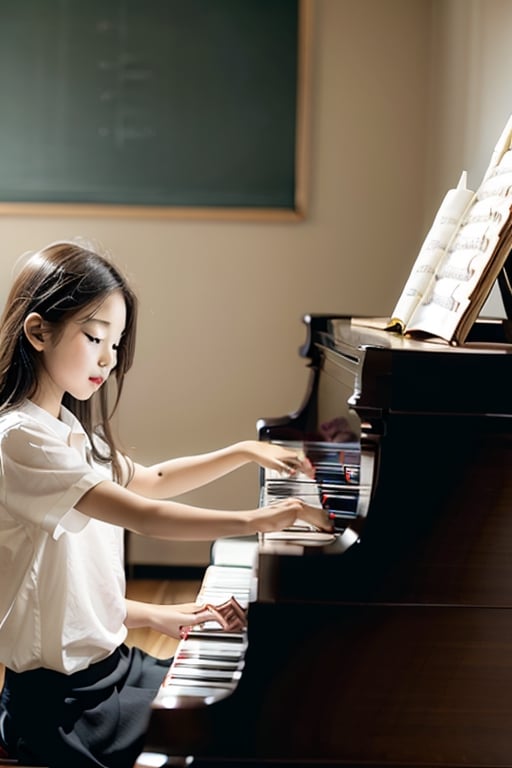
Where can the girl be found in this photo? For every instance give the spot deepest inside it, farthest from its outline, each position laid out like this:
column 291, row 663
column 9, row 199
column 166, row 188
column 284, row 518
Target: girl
column 74, row 694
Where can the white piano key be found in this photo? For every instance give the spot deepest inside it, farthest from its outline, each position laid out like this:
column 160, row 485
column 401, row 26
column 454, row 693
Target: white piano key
column 191, row 695
column 208, row 663
column 226, row 655
column 203, row 663
column 197, row 673
column 192, row 682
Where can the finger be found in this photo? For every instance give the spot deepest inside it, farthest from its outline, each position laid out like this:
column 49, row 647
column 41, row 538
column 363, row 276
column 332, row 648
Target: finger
column 214, row 615
column 204, row 615
column 284, row 466
column 232, row 607
column 308, row 468
column 234, row 620
column 240, row 612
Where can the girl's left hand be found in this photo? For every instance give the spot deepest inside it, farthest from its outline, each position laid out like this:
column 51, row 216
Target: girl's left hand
column 178, row 620
column 279, row 458
column 230, row 615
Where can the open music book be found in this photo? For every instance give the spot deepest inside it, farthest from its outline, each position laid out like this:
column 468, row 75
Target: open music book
column 462, row 255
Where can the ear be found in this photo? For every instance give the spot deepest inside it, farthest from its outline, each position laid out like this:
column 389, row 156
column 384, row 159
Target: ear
column 33, row 327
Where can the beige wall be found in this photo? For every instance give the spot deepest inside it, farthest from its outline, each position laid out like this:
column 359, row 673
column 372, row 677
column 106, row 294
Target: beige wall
column 394, row 86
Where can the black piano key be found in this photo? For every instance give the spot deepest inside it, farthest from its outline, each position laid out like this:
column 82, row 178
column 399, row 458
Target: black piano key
column 334, row 475
column 205, row 688
column 340, row 503
column 213, row 675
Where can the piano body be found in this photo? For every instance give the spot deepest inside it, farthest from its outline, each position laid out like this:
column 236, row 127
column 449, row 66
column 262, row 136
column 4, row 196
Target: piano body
column 389, row 643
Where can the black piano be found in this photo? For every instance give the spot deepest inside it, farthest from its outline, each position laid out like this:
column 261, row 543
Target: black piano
column 388, row 643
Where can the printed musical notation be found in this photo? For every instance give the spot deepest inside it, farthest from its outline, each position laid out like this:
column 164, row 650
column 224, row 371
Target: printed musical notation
column 466, row 247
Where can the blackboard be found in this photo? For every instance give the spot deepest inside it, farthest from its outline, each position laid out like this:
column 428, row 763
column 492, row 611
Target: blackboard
column 179, row 107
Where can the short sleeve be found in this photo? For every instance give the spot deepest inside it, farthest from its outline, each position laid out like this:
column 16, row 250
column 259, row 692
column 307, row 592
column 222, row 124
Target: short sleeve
column 43, row 478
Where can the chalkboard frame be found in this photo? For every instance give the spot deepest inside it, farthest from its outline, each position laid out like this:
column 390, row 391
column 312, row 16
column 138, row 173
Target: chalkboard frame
column 296, row 212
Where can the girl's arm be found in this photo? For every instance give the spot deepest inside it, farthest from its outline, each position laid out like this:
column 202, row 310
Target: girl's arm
column 176, row 476
column 120, row 506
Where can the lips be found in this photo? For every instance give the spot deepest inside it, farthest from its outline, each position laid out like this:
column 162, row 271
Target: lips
column 98, row 380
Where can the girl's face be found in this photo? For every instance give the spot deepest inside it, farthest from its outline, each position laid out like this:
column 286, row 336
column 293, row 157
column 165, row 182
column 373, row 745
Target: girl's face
column 80, row 360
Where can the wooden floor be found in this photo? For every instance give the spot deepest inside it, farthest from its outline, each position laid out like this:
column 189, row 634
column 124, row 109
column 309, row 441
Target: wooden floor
column 154, row 591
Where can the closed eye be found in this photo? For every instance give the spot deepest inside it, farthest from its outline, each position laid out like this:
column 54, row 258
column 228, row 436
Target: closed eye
column 96, row 340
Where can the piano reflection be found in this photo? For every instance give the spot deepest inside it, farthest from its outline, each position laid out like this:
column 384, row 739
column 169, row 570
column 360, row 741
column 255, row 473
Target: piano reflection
column 388, row 642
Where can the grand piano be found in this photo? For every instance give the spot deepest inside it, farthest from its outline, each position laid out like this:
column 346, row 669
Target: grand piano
column 388, row 643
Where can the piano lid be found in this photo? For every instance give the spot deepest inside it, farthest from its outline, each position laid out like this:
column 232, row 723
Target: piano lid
column 395, row 373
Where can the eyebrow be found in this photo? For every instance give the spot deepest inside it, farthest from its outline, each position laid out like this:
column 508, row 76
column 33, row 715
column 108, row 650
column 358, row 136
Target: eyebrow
column 98, row 320
column 92, row 319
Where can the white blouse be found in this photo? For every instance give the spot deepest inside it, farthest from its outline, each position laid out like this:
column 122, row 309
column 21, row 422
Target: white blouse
column 62, row 584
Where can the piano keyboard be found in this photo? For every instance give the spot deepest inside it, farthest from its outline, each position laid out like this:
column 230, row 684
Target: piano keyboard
column 208, row 663
column 335, row 486
column 342, row 483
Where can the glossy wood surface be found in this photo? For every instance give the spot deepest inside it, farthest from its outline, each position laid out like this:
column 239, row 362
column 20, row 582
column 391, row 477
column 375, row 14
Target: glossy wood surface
column 397, row 652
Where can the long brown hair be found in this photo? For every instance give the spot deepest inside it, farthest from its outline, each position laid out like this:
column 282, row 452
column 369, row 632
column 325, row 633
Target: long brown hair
column 57, row 282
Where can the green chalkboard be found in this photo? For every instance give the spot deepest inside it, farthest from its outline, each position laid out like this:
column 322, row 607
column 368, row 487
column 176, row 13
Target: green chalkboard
column 186, row 104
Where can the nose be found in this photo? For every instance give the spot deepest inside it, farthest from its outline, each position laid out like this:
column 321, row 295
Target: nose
column 107, row 358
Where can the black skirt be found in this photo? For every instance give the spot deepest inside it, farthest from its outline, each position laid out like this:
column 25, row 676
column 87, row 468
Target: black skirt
column 95, row 717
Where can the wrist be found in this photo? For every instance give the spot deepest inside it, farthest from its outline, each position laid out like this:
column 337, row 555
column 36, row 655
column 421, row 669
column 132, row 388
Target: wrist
column 246, row 448
column 251, row 522
column 138, row 614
